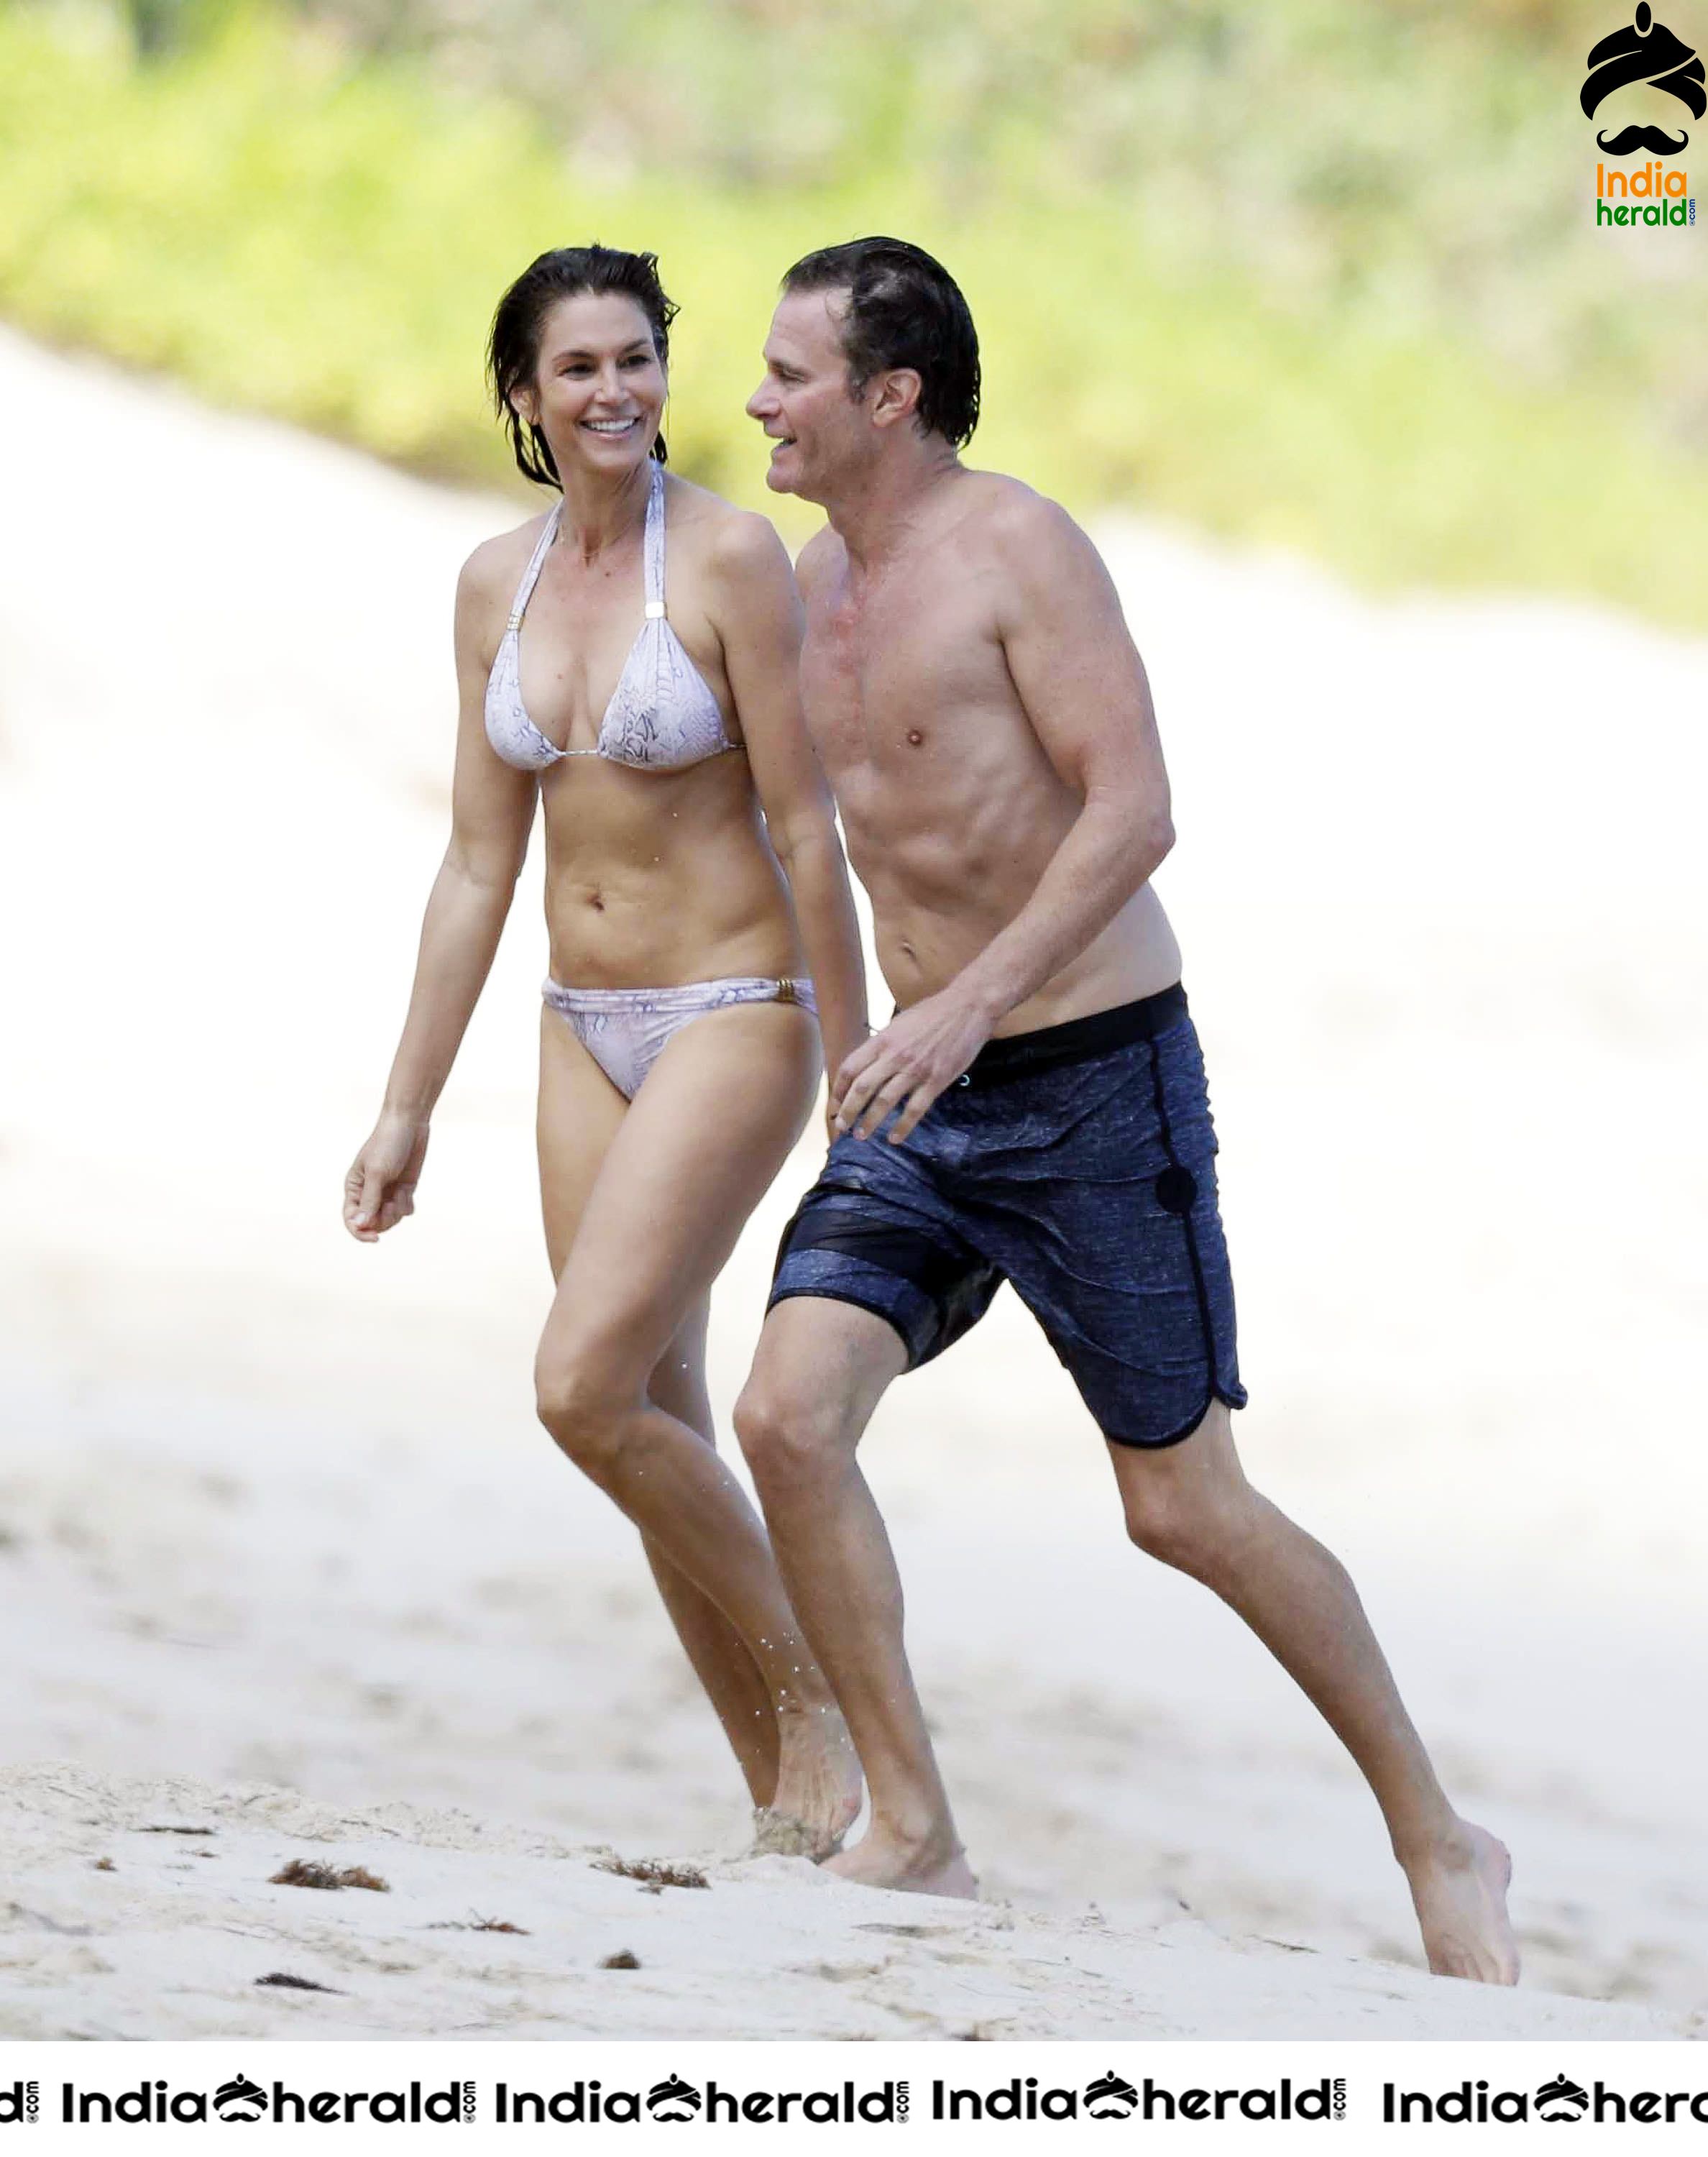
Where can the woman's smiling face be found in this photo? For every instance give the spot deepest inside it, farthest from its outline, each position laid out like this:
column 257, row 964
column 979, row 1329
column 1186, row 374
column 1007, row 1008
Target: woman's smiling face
column 599, row 387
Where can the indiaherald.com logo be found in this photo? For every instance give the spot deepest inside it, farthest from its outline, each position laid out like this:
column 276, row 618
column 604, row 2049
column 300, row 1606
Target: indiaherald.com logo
column 1639, row 77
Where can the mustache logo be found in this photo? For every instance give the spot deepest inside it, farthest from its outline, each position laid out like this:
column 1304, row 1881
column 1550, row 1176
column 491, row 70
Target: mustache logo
column 1641, row 138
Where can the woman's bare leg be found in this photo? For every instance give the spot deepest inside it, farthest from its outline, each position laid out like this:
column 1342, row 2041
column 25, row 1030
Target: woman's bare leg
column 693, row 1154
column 723, row 1665
column 580, row 1112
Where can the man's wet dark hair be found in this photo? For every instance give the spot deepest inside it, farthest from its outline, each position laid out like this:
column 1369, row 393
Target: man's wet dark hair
column 903, row 310
column 513, row 348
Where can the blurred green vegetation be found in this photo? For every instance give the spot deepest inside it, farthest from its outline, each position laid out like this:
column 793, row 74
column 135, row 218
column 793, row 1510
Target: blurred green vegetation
column 1320, row 275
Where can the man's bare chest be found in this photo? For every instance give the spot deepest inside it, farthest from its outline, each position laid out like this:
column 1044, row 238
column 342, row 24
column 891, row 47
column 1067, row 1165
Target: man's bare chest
column 899, row 667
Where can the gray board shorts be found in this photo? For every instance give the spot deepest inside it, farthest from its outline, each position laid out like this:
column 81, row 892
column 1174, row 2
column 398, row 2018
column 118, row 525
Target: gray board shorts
column 1078, row 1162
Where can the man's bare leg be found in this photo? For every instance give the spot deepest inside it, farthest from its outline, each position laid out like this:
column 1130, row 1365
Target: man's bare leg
column 821, row 1371
column 1190, row 1506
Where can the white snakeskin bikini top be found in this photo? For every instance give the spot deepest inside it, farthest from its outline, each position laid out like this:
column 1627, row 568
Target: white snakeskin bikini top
column 662, row 716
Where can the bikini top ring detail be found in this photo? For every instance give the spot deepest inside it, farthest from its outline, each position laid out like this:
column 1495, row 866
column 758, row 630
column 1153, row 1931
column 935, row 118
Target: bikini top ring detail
column 662, row 716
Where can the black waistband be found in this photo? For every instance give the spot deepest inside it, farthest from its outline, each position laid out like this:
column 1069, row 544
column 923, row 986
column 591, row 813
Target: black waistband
column 1018, row 1055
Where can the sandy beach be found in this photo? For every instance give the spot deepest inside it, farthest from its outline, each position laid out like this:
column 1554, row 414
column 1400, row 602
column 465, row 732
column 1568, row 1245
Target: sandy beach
column 285, row 1556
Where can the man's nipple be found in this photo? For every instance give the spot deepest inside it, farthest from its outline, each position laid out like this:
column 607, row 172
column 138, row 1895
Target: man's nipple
column 915, row 737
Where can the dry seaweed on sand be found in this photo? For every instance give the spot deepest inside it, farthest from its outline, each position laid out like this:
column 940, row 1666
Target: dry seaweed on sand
column 283, row 1977
column 474, row 1922
column 622, row 1959
column 655, row 1874
column 166, row 1828
column 300, row 1873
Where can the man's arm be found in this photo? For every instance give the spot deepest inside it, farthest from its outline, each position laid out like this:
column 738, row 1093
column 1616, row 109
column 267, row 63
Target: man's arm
column 1083, row 688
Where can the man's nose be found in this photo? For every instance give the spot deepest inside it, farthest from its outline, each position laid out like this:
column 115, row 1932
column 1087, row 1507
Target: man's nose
column 762, row 403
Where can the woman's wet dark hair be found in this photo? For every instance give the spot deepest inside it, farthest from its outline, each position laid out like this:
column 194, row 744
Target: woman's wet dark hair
column 513, row 349
column 905, row 310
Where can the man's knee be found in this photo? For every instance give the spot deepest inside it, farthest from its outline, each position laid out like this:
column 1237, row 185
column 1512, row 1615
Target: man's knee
column 821, row 1369
column 1167, row 1525
column 791, row 1433
column 1194, row 1511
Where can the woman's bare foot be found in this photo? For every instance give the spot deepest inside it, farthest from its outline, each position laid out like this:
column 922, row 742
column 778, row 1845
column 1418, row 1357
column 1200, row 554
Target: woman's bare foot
column 1458, row 1888
column 818, row 1786
column 922, row 1865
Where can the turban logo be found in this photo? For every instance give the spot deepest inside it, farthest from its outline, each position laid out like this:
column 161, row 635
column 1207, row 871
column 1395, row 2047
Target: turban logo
column 1561, row 2099
column 1110, row 2097
column 1644, row 51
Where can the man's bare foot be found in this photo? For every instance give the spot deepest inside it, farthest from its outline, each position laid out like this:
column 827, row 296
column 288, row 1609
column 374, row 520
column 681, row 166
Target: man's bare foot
column 1459, row 1891
column 929, row 1867
column 817, row 1797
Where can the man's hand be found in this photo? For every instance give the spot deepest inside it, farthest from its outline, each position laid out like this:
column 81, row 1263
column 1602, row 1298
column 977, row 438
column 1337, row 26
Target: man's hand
column 908, row 1064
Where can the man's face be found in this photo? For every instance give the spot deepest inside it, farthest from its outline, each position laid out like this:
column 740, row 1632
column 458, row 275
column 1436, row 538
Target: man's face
column 819, row 432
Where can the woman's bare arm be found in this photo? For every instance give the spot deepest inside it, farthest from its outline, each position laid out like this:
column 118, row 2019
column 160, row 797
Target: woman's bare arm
column 492, row 808
column 759, row 617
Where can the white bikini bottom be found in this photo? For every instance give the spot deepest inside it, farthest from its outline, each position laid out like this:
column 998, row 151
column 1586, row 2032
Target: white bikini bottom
column 624, row 1030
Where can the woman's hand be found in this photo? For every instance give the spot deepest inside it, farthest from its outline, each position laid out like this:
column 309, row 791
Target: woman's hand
column 380, row 1189
column 834, row 1061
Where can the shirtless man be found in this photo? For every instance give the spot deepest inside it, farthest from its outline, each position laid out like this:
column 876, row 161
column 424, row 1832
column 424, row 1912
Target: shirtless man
column 1036, row 1109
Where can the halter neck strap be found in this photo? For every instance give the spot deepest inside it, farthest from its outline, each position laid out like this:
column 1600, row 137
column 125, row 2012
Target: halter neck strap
column 655, row 544
column 652, row 554
column 531, row 575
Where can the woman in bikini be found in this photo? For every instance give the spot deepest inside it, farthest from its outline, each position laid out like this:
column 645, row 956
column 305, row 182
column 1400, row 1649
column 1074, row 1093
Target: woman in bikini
column 630, row 660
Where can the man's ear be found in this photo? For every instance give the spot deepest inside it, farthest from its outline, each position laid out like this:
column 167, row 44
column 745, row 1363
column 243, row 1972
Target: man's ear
column 897, row 396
